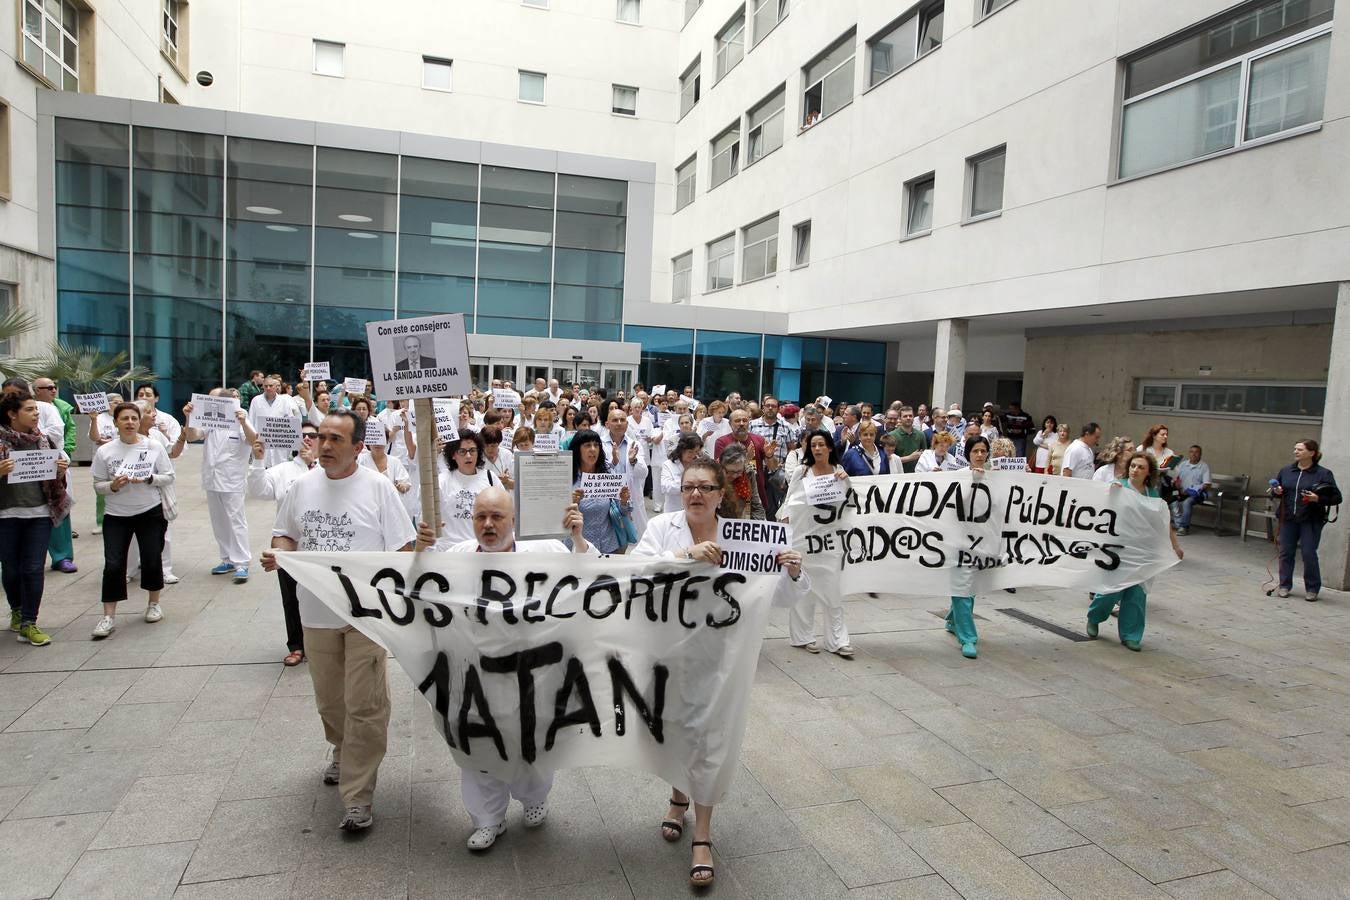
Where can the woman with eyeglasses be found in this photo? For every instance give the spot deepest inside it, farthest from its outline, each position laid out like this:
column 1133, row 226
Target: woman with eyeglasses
column 691, row 533
column 467, row 475
column 588, row 456
column 821, row 459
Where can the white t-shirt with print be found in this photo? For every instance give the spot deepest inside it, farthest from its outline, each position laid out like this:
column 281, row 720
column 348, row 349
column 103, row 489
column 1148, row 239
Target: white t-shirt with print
column 458, row 493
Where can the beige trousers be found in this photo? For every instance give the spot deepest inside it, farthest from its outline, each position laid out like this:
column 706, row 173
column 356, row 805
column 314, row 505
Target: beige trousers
column 351, row 690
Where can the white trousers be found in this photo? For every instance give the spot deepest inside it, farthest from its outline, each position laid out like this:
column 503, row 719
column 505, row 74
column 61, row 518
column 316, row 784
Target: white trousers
column 229, row 525
column 134, row 554
column 486, row 798
column 802, row 623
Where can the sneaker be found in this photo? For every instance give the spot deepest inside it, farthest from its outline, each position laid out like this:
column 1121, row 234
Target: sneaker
column 31, row 634
column 74, row 533
column 535, row 815
column 483, row 838
column 812, row 647
column 223, row 569
column 15, row 620
column 98, row 529
column 241, row 575
column 357, row 818
column 153, row 613
column 845, row 651
column 1132, row 645
column 105, row 627
column 1282, row 592
column 66, row 565
column 1311, row 596
column 1183, row 531
column 968, row 650
column 330, row 774
column 170, row 578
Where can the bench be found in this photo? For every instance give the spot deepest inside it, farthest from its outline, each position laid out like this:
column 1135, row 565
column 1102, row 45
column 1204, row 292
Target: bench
column 1225, row 499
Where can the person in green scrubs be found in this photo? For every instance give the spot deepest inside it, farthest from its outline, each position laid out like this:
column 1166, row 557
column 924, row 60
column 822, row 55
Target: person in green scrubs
column 961, row 615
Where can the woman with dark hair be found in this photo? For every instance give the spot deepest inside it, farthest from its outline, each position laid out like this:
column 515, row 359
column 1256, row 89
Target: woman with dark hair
column 820, row 459
column 682, row 454
column 1043, row 440
column 28, row 511
column 740, row 498
column 1305, row 489
column 1155, row 445
column 467, row 475
column 131, row 471
column 1141, row 475
column 496, row 457
column 961, row 614
column 588, row 457
column 690, row 532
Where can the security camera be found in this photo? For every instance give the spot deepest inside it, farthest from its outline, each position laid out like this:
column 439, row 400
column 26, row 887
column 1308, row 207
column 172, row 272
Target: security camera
column 205, row 78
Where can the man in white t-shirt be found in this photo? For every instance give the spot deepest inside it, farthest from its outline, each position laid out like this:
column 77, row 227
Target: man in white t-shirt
column 342, row 507
column 1080, row 460
column 273, row 403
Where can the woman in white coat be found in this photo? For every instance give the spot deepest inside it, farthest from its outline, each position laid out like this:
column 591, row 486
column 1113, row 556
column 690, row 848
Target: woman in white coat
column 682, row 454
column 821, row 459
column 692, row 534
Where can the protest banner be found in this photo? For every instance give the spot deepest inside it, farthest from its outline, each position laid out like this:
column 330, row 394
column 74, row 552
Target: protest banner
column 316, row 371
column 546, row 443
column 542, row 661
column 543, row 491
column 420, row 357
column 213, row 413
column 824, row 489
column 137, row 465
column 376, row 436
column 1010, row 464
column 751, row 546
column 505, row 398
column 92, row 403
column 447, row 415
column 280, row 432
column 959, row 533
column 354, row 387
column 603, row 485
column 33, row 465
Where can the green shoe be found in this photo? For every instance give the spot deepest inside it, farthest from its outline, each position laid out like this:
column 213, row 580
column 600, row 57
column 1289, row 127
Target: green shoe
column 968, row 650
column 1133, row 645
column 31, row 634
column 15, row 619
column 1092, row 630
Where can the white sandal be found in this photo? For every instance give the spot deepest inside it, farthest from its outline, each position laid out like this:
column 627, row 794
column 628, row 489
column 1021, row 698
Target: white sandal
column 485, row 837
column 535, row 815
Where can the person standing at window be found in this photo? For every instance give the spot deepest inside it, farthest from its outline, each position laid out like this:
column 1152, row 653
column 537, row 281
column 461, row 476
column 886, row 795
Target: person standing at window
column 1306, row 489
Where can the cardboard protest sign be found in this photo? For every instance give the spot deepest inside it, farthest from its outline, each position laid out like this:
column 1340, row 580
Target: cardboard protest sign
column 213, row 413
column 604, row 485
column 421, row 357
column 317, row 371
column 91, row 403
column 751, row 546
column 280, row 432
column 33, row 465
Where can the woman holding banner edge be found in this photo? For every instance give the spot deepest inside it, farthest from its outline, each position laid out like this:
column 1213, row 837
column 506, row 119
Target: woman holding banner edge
column 821, row 459
column 692, row 534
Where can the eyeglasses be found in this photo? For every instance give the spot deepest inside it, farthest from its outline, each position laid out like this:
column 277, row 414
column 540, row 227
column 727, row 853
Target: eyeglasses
column 704, row 489
column 44, row 387
column 466, row 451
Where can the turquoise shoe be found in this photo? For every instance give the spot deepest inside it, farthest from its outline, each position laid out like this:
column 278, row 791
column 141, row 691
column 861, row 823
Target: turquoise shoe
column 1092, row 629
column 1133, row 645
column 968, row 651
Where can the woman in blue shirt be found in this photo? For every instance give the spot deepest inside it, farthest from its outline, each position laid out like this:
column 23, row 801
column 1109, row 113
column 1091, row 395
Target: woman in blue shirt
column 588, row 456
column 1305, row 490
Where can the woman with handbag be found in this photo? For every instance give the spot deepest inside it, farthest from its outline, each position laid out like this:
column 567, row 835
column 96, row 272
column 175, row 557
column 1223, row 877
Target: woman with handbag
column 599, row 514
column 130, row 471
column 28, row 511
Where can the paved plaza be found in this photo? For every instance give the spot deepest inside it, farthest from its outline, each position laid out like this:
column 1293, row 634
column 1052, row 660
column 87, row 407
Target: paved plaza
column 182, row 760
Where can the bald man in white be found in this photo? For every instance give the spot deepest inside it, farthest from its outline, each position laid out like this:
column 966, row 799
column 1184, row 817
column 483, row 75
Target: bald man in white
column 486, row 798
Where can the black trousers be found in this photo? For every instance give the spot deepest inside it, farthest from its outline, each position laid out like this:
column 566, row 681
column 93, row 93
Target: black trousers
column 148, row 529
column 290, row 607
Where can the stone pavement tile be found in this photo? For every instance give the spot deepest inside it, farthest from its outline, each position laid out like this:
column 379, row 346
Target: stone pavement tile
column 128, row 652
column 197, row 650
column 1268, row 817
column 162, row 809
column 372, row 864
column 28, row 755
column 1151, row 759
column 869, row 714
column 251, row 837
column 66, row 653
column 820, row 674
column 79, row 783
column 931, row 759
column 288, row 722
column 1091, row 873
column 135, row 726
column 902, row 692
column 258, row 887
column 571, row 847
column 1011, row 819
column 439, row 863
column 1216, row 884
column 1049, row 788
column 286, row 771
column 976, row 865
column 778, row 697
column 977, row 701
column 1293, row 787
column 925, row 664
column 127, row 873
column 1306, row 876
column 899, row 799
column 76, row 702
column 265, row 674
column 1177, row 738
column 200, row 747
column 1147, row 801
column 1155, row 854
column 790, row 774
column 1083, row 692
column 837, row 744
column 295, row 682
column 859, row 847
column 925, row 887
column 218, row 701
column 784, row 875
column 167, row 685
column 18, row 692
column 36, row 854
column 614, row 887
column 393, row 792
column 1053, row 746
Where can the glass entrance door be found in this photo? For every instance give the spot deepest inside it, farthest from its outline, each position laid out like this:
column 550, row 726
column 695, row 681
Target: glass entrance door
column 588, row 374
column 618, row 378
column 504, row 371
column 479, row 373
column 565, row 372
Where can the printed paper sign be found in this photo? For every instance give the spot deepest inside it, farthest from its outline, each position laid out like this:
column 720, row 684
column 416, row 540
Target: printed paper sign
column 825, row 489
column 213, row 413
column 375, row 433
column 543, row 491
column 137, row 465
column 662, row 417
column 280, row 432
column 355, row 386
column 751, row 546
column 91, row 403
column 447, row 415
column 503, row 398
column 422, row 357
column 658, row 389
column 317, row 371
column 546, row 443
column 604, row 485
column 33, row 465
column 1010, row 463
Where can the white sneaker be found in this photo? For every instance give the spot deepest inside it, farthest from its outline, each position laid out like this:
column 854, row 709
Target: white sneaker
column 170, row 578
column 105, row 627
column 535, row 815
column 153, row 613
column 483, row 838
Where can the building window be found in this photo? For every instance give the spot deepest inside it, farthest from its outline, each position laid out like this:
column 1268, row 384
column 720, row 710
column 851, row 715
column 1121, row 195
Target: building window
column 768, row 13
column 765, row 132
column 691, row 7
column 801, row 244
column 164, row 95
column 1233, row 399
column 721, row 263
column 989, row 7
column 328, row 58
column 6, row 307
column 5, row 153
column 985, row 177
column 919, row 205
column 759, row 258
column 691, row 86
column 170, row 21
column 904, row 41
column 629, row 11
column 731, row 44
column 1254, row 74
column 531, row 87
column 51, row 41
column 686, row 182
column 682, row 267
column 829, row 82
column 436, row 73
column 726, row 156
column 624, row 102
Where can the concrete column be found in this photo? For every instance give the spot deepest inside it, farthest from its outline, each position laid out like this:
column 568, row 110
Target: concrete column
column 949, row 362
column 1335, row 555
